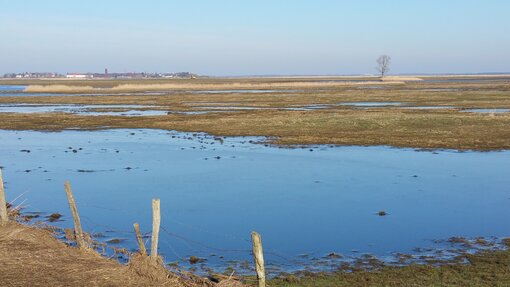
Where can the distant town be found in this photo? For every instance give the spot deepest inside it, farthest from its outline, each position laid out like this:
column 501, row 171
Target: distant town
column 105, row 75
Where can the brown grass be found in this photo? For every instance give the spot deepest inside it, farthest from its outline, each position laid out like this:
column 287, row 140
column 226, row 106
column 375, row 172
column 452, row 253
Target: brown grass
column 201, row 86
column 32, row 257
column 59, row 89
column 339, row 125
column 401, row 128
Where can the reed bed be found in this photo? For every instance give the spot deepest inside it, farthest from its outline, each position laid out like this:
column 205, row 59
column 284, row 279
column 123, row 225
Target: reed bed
column 199, row 86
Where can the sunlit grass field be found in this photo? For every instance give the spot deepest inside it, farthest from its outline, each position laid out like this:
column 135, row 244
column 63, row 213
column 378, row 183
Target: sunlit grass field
column 278, row 110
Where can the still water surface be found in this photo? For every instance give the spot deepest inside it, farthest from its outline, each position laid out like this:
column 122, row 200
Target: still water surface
column 305, row 202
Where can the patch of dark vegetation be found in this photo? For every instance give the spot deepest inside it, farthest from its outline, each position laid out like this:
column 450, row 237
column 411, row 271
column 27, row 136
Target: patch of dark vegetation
column 195, row 260
column 333, row 255
column 458, row 240
column 115, row 240
column 29, row 217
column 382, row 213
column 53, row 217
column 86, row 170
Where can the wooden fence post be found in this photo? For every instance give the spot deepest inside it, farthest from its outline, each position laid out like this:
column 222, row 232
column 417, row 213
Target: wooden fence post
column 258, row 258
column 141, row 246
column 78, row 233
column 3, row 204
column 156, row 221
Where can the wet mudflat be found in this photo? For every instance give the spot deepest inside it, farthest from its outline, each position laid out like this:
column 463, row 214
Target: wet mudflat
column 315, row 207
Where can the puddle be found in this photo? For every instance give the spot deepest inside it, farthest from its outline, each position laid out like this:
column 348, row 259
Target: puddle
column 129, row 113
column 125, row 110
column 429, row 107
column 486, row 111
column 133, row 110
column 196, row 112
column 214, row 191
column 29, row 109
column 11, row 88
column 371, row 104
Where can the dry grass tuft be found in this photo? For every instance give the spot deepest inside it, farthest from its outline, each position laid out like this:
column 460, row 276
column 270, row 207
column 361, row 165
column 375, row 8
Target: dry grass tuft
column 229, row 283
column 33, row 257
column 59, row 89
column 402, row 79
column 154, row 270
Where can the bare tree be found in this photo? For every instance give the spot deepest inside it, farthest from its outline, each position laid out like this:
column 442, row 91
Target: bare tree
column 383, row 65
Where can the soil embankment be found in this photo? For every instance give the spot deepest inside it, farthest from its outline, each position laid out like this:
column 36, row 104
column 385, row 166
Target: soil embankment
column 32, row 257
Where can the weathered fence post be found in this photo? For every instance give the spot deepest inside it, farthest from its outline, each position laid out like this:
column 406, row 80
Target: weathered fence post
column 156, row 221
column 3, row 204
column 258, row 258
column 141, row 246
column 78, row 233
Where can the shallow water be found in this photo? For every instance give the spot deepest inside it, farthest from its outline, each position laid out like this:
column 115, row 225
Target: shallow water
column 81, row 109
column 17, row 91
column 428, row 107
column 11, row 88
column 486, row 111
column 305, row 202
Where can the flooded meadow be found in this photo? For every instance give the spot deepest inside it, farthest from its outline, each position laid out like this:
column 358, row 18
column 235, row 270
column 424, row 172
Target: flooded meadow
column 316, row 207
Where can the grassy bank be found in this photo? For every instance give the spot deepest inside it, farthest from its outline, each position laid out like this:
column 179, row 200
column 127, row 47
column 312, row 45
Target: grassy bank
column 32, row 257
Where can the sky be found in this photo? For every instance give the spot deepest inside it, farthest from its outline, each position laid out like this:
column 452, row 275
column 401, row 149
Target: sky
column 255, row 37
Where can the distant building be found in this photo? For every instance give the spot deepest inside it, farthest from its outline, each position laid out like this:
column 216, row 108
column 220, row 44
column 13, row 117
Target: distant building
column 79, row 76
column 106, row 75
column 32, row 75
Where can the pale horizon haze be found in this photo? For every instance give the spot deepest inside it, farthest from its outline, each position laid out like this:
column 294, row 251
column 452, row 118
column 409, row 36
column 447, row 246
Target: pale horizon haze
column 236, row 38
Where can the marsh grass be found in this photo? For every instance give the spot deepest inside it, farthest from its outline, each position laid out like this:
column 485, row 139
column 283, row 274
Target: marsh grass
column 334, row 124
column 487, row 268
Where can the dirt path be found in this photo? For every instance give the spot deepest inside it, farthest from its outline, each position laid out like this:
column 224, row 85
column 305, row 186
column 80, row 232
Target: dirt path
column 32, row 257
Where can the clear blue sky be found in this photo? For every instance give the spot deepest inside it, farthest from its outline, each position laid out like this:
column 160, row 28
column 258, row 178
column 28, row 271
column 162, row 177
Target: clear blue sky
column 255, row 37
